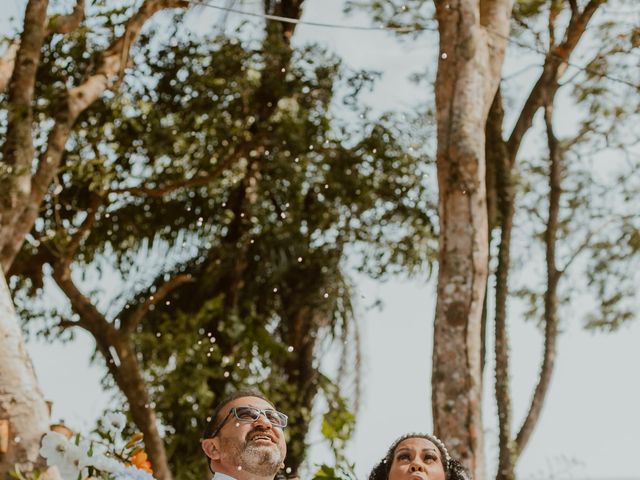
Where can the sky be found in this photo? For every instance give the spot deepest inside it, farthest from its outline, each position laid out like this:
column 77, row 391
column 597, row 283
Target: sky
column 590, row 425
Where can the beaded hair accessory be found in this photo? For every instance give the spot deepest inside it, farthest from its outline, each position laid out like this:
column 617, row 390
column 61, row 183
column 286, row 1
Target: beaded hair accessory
column 446, row 458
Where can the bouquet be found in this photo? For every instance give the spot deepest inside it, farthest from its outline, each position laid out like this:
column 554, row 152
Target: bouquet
column 110, row 458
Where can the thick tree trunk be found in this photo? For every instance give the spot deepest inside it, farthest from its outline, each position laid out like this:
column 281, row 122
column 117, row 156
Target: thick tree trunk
column 468, row 77
column 21, row 401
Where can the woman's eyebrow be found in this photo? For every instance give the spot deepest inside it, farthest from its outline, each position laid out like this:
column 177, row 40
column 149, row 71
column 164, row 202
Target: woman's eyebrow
column 430, row 450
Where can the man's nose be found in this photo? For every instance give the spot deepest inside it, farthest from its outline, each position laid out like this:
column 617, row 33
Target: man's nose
column 416, row 467
column 262, row 420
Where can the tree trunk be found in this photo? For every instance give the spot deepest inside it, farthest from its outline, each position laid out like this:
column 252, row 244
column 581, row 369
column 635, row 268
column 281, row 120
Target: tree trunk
column 123, row 366
column 302, row 376
column 506, row 206
column 551, row 293
column 21, row 401
column 18, row 150
column 130, row 380
column 468, row 77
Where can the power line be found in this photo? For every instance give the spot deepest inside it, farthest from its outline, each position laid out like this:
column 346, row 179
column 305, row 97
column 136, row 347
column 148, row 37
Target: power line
column 297, row 21
column 411, row 29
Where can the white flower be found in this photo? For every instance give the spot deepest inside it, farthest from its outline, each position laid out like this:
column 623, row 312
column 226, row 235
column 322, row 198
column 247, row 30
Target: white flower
column 92, row 448
column 114, row 422
column 68, row 471
column 132, row 473
column 72, row 463
column 73, row 460
column 54, row 447
column 107, row 464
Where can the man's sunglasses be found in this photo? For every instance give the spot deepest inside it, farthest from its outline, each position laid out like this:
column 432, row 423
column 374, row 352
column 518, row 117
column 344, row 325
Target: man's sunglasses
column 251, row 414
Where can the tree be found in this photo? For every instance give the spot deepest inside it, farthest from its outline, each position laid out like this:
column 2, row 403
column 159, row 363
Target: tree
column 223, row 155
column 24, row 188
column 21, row 401
column 573, row 220
column 472, row 45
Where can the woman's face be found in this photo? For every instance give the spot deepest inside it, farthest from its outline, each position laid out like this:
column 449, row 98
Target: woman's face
column 416, row 459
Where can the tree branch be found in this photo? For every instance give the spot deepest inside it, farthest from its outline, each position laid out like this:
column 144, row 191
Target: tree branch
column 583, row 246
column 7, row 63
column 575, row 29
column 505, row 197
column 18, row 149
column 67, row 23
column 90, row 317
column 573, row 4
column 551, row 295
column 554, row 66
column 132, row 321
column 64, row 324
column 22, row 217
column 83, row 231
column 157, row 192
column 554, row 10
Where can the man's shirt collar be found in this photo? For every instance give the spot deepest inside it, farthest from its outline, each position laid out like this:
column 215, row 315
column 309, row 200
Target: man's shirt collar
column 222, row 476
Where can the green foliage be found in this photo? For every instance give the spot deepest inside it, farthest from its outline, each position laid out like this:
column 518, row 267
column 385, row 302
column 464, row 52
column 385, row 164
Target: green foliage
column 410, row 14
column 208, row 162
column 326, row 472
column 337, row 427
column 20, row 475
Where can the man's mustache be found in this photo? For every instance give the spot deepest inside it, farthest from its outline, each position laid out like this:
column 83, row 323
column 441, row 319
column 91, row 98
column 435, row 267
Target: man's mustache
column 259, row 431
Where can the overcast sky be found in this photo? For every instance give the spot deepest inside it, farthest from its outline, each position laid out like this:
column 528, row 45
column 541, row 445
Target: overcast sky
column 591, row 421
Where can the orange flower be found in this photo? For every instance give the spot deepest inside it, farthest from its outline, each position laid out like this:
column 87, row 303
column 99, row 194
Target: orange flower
column 139, row 460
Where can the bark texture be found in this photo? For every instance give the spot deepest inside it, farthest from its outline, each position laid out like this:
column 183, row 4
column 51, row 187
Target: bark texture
column 472, row 43
column 21, row 401
column 7, row 62
column 18, row 149
column 506, row 208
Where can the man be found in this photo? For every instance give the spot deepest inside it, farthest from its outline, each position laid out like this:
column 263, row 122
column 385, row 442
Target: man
column 244, row 438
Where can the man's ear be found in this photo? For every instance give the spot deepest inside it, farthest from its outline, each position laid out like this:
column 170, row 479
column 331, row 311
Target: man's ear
column 211, row 448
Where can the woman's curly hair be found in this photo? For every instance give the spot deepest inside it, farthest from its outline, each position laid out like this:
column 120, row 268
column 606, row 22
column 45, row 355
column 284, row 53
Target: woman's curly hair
column 453, row 469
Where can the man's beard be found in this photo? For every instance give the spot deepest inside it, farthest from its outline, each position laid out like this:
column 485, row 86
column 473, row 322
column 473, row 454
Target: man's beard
column 260, row 460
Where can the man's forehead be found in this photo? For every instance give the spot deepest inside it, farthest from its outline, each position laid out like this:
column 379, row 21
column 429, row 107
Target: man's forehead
column 250, row 402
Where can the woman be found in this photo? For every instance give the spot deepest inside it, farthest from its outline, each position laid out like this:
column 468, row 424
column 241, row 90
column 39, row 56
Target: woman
column 418, row 456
